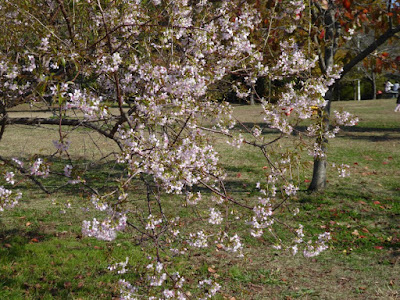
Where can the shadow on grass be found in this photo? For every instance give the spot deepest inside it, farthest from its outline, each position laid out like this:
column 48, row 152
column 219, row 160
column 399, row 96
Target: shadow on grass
column 371, row 129
column 13, row 242
column 371, row 138
column 358, row 129
column 40, row 266
column 381, row 133
column 101, row 176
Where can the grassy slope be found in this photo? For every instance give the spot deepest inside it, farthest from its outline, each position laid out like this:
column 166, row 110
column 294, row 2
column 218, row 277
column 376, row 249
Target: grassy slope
column 42, row 254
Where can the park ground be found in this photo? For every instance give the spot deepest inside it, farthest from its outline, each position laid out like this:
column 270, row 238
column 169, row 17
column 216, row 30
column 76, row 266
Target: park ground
column 44, row 256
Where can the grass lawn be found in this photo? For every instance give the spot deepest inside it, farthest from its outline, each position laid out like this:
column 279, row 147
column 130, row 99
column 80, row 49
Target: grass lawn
column 44, row 256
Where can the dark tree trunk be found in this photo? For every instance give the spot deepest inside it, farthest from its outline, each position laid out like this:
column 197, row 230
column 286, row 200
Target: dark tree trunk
column 3, row 120
column 373, row 83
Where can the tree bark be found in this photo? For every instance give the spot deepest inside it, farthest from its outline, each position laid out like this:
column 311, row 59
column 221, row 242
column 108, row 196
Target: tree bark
column 3, row 120
column 373, row 82
column 318, row 181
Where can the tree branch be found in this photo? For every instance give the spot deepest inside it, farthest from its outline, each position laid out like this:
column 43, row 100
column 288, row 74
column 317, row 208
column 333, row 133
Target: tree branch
column 371, row 48
column 27, row 174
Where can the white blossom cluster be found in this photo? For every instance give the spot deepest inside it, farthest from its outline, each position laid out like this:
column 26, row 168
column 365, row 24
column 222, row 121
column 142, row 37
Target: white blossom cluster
column 343, row 169
column 89, row 104
column 215, row 216
column 121, row 266
column 40, row 168
column 105, row 230
column 198, row 239
column 232, row 244
column 8, row 198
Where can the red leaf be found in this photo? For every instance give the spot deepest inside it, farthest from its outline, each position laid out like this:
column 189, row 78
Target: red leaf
column 377, row 202
column 385, row 162
column 306, row 180
column 378, row 247
column 347, row 4
column 322, row 34
column 378, row 65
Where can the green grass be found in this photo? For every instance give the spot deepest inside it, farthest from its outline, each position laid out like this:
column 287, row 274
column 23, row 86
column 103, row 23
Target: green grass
column 44, row 256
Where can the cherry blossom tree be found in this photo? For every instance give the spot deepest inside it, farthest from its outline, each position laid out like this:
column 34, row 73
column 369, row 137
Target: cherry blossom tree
column 157, row 61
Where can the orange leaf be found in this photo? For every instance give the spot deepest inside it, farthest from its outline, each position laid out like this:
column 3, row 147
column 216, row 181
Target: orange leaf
column 365, row 230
